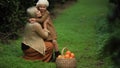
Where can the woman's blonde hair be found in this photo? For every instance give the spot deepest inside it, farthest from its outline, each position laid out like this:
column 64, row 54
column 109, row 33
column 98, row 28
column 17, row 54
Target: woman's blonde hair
column 32, row 11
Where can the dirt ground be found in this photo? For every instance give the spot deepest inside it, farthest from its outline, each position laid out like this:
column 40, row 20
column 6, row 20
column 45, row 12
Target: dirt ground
column 58, row 8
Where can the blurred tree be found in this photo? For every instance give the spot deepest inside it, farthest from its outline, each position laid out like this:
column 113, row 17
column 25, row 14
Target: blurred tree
column 12, row 17
column 116, row 10
column 112, row 45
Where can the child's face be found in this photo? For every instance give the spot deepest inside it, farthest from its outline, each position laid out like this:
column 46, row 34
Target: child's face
column 38, row 13
column 42, row 8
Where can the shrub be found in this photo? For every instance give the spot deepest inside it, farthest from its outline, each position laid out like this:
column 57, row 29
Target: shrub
column 13, row 17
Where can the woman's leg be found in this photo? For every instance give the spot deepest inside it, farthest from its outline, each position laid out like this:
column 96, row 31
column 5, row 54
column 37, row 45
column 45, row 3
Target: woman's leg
column 30, row 53
column 49, row 51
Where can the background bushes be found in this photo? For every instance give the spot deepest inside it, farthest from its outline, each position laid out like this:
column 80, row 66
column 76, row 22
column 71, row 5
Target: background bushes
column 111, row 46
column 13, row 17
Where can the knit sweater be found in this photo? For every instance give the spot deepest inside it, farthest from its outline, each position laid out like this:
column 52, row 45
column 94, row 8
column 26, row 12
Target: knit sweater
column 33, row 37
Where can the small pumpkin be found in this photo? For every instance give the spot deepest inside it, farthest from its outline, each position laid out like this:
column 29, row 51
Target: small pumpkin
column 72, row 55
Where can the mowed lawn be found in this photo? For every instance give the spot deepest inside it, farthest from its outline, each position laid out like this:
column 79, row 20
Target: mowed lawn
column 76, row 30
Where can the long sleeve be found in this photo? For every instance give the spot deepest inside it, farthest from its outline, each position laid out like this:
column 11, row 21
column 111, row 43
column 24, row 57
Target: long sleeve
column 39, row 31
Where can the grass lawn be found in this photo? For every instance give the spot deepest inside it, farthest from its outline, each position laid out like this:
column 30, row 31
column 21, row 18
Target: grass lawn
column 76, row 31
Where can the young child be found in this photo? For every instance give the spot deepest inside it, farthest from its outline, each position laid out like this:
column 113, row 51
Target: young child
column 42, row 5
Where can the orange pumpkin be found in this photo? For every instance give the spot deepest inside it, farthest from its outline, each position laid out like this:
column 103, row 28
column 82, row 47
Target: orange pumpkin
column 60, row 56
column 67, row 56
column 72, row 55
column 68, row 52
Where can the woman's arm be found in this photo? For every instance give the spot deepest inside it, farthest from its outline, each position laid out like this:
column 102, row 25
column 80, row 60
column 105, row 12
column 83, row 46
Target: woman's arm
column 40, row 31
column 45, row 24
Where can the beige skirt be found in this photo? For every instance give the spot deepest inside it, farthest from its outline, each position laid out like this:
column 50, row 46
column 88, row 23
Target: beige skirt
column 31, row 54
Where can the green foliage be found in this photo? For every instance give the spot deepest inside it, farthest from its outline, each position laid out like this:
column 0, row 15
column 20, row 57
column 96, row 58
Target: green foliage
column 13, row 17
column 109, row 35
column 10, row 15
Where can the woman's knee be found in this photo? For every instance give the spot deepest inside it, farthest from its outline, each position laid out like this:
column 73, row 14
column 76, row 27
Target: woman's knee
column 49, row 45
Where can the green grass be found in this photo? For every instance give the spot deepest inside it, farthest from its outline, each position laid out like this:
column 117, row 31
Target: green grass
column 76, row 28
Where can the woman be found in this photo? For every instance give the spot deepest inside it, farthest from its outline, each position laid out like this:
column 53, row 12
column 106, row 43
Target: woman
column 33, row 45
column 42, row 5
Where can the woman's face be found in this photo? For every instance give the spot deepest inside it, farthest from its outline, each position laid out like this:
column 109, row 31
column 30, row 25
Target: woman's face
column 38, row 13
column 42, row 7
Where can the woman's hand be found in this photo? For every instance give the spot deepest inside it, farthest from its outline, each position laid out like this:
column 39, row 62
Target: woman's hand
column 46, row 30
column 32, row 20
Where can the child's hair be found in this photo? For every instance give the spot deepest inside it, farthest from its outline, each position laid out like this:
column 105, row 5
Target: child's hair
column 42, row 2
column 32, row 11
